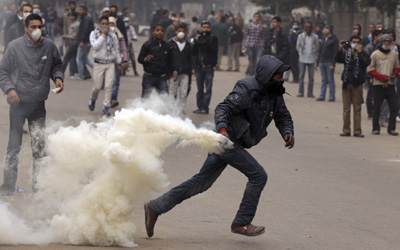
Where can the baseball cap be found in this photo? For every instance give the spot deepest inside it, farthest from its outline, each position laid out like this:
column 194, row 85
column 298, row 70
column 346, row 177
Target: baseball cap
column 105, row 10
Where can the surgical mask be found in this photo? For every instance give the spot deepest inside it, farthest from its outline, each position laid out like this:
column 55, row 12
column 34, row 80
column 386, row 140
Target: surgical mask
column 126, row 24
column 36, row 11
column 295, row 27
column 25, row 15
column 353, row 46
column 112, row 29
column 181, row 35
column 102, row 27
column 36, row 34
column 386, row 47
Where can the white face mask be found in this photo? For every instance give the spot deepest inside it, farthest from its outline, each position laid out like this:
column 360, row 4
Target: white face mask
column 112, row 29
column 36, row 11
column 353, row 46
column 36, row 34
column 25, row 15
column 126, row 24
column 386, row 47
column 181, row 35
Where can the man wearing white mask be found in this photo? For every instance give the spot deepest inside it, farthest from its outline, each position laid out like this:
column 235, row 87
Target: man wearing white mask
column 25, row 70
column 180, row 61
column 17, row 30
column 105, row 54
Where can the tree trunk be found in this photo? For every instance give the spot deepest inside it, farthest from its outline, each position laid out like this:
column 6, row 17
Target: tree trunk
column 277, row 8
column 314, row 21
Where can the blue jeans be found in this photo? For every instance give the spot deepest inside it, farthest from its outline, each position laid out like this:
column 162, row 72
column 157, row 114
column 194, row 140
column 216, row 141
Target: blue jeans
column 302, row 69
column 254, row 54
column 238, row 158
column 82, row 59
column 204, row 76
column 115, row 86
column 50, row 30
column 154, row 82
column 327, row 78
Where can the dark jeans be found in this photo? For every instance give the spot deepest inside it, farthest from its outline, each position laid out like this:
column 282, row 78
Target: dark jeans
column 132, row 57
column 82, row 60
column 398, row 91
column 204, row 77
column 35, row 113
column 154, row 82
column 380, row 94
column 302, row 70
column 370, row 97
column 70, row 57
column 238, row 158
column 115, row 87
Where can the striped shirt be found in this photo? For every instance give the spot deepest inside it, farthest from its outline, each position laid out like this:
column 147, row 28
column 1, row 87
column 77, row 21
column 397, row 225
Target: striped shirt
column 254, row 36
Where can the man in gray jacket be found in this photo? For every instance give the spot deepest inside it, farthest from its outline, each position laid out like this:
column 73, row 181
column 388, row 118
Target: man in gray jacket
column 243, row 117
column 25, row 71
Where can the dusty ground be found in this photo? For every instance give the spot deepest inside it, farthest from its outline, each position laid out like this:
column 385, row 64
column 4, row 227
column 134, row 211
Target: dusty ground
column 327, row 193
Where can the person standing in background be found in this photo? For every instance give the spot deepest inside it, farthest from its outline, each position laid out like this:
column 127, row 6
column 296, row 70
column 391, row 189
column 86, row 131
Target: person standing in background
column 85, row 28
column 235, row 41
column 307, row 46
column 131, row 38
column 220, row 30
column 51, row 17
column 253, row 41
column 326, row 61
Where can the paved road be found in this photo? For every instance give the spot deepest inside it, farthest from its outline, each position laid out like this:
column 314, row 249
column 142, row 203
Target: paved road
column 326, row 193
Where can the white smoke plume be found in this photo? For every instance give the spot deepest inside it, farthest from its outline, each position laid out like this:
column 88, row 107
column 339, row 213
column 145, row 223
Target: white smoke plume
column 96, row 172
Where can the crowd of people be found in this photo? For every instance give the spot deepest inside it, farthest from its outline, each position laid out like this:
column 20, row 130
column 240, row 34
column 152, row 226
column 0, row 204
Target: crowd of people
column 178, row 49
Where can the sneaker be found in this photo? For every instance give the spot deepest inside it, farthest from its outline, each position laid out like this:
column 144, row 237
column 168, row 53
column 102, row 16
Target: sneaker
column 106, row 112
column 76, row 78
column 331, row 100
column 300, row 95
column 310, row 96
column 319, row 99
column 376, row 132
column 114, row 103
column 248, row 230
column 359, row 135
column 92, row 104
column 345, row 134
column 392, row 132
column 150, row 219
column 201, row 111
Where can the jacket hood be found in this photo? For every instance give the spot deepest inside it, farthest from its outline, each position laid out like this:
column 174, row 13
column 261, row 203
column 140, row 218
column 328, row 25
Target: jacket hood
column 266, row 68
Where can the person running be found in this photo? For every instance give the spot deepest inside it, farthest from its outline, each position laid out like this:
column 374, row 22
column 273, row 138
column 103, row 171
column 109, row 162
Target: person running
column 243, row 117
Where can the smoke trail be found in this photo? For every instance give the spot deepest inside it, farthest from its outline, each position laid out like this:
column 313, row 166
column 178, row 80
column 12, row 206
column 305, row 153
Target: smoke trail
column 96, row 172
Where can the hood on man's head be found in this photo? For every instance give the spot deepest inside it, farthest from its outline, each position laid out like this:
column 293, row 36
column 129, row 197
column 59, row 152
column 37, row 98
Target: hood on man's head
column 267, row 66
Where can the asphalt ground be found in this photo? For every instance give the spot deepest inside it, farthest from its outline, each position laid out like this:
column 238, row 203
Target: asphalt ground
column 328, row 192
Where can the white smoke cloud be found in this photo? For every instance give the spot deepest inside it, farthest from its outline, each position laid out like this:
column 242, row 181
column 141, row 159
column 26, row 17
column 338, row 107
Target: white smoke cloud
column 96, row 172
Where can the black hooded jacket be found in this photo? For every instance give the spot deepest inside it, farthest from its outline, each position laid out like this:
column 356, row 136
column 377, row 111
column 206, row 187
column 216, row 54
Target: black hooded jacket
column 248, row 110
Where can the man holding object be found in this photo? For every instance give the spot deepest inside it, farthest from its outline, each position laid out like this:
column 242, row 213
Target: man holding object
column 243, row 117
column 28, row 64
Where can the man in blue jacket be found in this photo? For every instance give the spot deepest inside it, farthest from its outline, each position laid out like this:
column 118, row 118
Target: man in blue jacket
column 28, row 64
column 243, row 117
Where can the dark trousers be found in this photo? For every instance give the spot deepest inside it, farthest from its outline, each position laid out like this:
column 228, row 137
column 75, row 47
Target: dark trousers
column 238, row 158
column 370, row 98
column 204, row 78
column 35, row 113
column 70, row 57
column 132, row 57
column 154, row 82
column 115, row 86
column 389, row 93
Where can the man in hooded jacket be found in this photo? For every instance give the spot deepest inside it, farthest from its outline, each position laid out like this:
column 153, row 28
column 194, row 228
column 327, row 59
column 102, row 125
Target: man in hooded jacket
column 243, row 117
